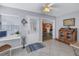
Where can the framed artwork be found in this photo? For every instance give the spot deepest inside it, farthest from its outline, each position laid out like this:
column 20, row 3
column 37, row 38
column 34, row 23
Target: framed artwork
column 69, row 22
column 23, row 21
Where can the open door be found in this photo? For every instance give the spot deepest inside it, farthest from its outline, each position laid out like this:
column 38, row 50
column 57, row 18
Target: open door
column 47, row 31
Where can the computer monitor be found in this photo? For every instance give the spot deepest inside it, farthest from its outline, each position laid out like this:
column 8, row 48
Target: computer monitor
column 3, row 33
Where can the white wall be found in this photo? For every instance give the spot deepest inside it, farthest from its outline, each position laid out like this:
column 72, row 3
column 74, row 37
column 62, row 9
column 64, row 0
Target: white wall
column 59, row 22
column 10, row 23
column 31, row 36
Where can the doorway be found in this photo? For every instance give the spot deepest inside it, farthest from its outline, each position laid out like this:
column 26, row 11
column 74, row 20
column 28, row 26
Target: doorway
column 47, row 29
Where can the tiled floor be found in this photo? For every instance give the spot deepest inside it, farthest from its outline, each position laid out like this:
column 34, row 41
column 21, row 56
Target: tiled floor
column 53, row 48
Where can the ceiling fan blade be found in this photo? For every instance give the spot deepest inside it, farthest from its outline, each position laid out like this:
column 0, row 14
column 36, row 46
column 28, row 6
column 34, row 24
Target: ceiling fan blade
column 50, row 4
column 47, row 5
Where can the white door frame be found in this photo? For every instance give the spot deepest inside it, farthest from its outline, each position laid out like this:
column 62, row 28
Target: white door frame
column 53, row 31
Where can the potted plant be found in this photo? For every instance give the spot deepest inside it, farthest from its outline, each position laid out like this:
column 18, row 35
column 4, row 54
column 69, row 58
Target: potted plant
column 17, row 33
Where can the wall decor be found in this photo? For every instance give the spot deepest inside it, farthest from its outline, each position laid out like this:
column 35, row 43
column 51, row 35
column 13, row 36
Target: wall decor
column 69, row 22
column 23, row 21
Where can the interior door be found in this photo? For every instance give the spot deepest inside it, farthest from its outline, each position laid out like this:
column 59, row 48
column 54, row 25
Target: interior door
column 47, row 31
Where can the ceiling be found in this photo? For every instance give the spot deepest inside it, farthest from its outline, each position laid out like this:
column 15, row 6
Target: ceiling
column 58, row 8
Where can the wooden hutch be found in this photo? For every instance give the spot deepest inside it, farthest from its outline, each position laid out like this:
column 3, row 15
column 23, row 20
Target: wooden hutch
column 68, row 35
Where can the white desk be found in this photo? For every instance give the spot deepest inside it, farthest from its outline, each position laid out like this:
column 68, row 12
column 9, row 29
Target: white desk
column 10, row 38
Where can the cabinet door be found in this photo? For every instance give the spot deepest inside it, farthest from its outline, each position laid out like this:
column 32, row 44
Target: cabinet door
column 69, row 37
column 61, row 35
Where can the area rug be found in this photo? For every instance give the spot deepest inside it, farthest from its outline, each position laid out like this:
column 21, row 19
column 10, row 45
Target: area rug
column 34, row 47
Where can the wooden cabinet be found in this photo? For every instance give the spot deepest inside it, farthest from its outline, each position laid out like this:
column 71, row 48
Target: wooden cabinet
column 68, row 35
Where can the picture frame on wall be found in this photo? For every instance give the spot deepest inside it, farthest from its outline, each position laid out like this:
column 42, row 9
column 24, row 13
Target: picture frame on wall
column 69, row 22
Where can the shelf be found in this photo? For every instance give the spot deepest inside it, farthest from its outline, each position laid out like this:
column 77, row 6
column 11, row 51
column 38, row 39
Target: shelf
column 67, row 35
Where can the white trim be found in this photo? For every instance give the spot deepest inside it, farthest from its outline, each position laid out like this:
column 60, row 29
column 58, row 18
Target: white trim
column 11, row 37
column 9, row 15
column 50, row 21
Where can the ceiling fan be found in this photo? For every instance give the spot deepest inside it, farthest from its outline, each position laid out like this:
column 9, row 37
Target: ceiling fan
column 47, row 7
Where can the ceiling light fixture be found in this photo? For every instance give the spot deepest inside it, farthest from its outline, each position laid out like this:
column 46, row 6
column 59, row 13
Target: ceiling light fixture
column 47, row 7
column 46, row 10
